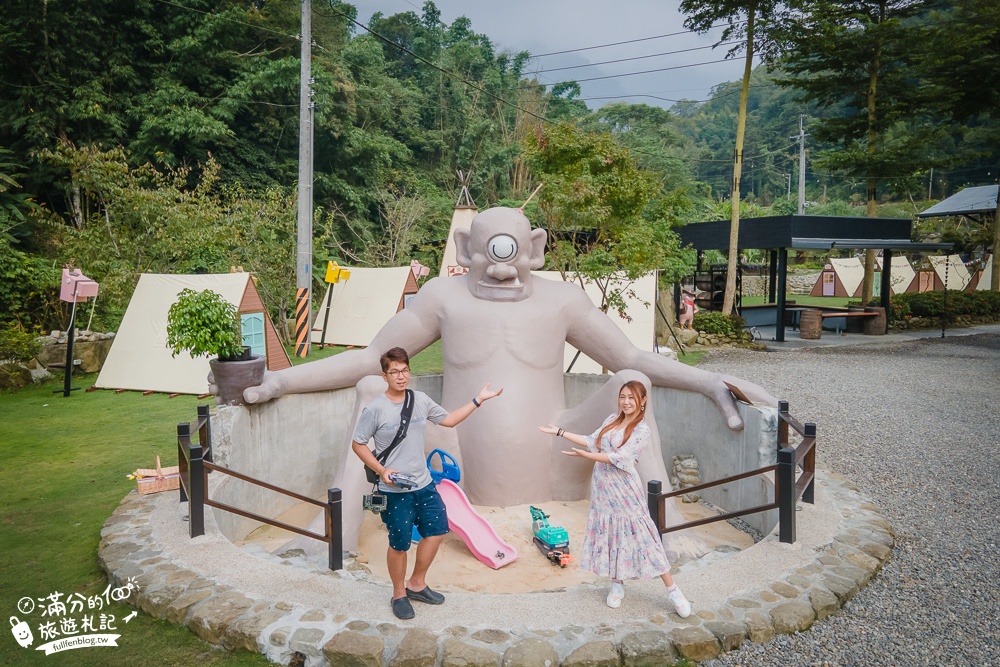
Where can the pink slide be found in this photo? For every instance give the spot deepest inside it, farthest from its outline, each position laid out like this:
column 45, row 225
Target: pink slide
column 475, row 531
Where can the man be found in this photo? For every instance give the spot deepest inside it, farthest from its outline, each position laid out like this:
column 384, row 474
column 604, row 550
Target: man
column 499, row 321
column 415, row 502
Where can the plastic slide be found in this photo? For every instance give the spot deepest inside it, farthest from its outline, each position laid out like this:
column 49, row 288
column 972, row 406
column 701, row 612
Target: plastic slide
column 475, row 531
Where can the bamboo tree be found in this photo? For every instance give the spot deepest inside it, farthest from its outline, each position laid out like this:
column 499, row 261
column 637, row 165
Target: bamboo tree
column 702, row 15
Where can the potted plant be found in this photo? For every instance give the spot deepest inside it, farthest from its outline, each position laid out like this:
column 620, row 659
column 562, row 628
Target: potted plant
column 203, row 324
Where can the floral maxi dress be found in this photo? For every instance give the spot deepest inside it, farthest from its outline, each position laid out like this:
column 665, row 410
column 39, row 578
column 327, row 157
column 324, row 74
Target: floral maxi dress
column 621, row 540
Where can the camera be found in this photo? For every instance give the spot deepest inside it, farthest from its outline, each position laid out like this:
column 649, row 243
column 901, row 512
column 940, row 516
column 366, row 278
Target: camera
column 405, row 481
column 375, row 502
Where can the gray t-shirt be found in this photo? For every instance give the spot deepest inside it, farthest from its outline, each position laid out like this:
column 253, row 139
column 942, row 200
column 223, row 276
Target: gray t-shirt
column 380, row 419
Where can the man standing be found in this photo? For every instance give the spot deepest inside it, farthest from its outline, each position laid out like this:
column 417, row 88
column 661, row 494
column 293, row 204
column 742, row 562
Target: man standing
column 412, row 498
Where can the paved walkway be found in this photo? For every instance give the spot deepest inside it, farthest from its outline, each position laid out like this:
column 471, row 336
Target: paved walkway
column 833, row 339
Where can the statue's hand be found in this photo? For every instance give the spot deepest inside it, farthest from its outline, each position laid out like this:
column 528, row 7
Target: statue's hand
column 272, row 387
column 726, row 401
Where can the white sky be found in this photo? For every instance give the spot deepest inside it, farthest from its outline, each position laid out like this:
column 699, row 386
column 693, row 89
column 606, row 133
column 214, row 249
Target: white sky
column 546, row 26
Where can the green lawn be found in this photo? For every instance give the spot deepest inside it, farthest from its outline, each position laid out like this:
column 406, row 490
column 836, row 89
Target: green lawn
column 800, row 300
column 63, row 472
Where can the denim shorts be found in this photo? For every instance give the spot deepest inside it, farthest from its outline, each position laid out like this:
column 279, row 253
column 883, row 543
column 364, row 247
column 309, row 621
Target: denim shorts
column 422, row 508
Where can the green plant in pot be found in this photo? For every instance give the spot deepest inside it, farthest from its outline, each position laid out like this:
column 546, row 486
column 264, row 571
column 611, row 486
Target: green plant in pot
column 204, row 324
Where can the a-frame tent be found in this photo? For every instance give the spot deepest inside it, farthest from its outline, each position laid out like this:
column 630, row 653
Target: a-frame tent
column 465, row 211
column 951, row 272
column 140, row 359
column 901, row 274
column 640, row 300
column 982, row 278
column 354, row 310
column 840, row 277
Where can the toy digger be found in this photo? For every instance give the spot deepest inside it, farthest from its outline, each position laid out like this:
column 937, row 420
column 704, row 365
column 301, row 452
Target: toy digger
column 552, row 541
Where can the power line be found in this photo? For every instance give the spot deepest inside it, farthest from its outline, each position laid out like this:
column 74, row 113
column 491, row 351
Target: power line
column 648, row 71
column 630, row 41
column 623, row 60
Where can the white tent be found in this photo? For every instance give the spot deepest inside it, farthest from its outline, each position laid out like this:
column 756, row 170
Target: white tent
column 354, row 310
column 850, row 271
column 958, row 276
column 901, row 274
column 462, row 217
column 983, row 277
column 640, row 331
column 140, row 359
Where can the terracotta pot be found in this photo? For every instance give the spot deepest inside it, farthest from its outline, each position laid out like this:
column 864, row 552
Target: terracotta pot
column 232, row 377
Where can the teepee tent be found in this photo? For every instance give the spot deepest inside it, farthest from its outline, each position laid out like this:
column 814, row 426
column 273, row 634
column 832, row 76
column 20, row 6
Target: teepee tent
column 840, row 277
column 354, row 310
column 640, row 330
column 461, row 218
column 140, row 359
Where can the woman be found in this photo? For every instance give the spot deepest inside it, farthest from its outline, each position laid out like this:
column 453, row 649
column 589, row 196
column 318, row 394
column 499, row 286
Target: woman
column 622, row 541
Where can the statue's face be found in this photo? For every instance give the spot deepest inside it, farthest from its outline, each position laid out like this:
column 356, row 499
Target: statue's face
column 500, row 251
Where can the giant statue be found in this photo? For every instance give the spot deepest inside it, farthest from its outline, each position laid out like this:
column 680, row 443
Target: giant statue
column 501, row 325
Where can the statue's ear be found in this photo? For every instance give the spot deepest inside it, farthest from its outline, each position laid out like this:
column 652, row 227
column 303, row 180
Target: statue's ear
column 538, row 239
column 463, row 253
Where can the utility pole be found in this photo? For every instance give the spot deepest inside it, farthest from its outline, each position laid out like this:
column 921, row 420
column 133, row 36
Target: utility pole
column 788, row 176
column 303, row 256
column 802, row 165
column 930, row 184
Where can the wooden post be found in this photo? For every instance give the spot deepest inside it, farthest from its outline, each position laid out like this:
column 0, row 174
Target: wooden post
column 654, row 488
column 809, row 464
column 785, row 488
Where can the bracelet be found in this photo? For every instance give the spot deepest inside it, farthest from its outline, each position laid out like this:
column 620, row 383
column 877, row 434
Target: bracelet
column 476, row 403
column 559, row 433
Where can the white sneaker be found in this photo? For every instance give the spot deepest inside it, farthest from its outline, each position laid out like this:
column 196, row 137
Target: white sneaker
column 681, row 604
column 616, row 595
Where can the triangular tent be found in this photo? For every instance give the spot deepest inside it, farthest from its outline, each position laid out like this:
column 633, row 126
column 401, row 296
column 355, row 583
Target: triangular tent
column 901, row 274
column 957, row 275
column 982, row 278
column 354, row 310
column 140, row 359
column 640, row 330
column 462, row 217
column 840, row 277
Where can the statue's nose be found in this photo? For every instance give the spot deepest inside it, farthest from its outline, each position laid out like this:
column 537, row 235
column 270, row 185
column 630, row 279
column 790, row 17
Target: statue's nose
column 501, row 271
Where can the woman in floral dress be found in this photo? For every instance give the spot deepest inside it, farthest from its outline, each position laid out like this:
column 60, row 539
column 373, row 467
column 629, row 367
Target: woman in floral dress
column 622, row 541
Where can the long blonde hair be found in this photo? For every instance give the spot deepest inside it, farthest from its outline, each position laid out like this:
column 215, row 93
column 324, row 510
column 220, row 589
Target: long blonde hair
column 639, row 391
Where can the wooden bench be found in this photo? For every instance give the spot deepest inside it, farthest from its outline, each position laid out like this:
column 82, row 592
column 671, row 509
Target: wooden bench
column 852, row 313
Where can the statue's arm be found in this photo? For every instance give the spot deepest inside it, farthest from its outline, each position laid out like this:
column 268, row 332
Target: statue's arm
column 412, row 329
column 593, row 332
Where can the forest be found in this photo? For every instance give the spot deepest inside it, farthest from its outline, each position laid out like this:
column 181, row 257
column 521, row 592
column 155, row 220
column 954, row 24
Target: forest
column 161, row 136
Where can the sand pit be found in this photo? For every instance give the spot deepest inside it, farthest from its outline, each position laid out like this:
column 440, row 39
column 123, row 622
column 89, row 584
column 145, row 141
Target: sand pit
column 455, row 568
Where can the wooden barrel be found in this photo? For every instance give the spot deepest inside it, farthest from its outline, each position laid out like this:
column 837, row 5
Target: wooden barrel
column 811, row 324
column 874, row 326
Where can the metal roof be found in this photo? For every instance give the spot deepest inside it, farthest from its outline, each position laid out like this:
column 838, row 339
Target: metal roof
column 970, row 201
column 821, row 232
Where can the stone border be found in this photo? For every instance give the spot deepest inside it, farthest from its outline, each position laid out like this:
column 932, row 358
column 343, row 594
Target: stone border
column 819, row 578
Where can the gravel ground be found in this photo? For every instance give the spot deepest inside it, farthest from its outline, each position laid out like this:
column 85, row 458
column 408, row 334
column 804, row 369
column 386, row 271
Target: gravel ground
column 915, row 426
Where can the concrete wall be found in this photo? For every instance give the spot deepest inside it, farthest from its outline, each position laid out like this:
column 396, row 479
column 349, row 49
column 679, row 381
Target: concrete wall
column 690, row 423
column 299, row 442
column 296, row 442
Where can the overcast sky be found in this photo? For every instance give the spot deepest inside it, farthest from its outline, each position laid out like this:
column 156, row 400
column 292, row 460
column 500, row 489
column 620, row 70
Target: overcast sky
column 548, row 26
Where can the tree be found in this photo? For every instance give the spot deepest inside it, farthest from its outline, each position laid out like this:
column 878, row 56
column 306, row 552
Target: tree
column 703, row 15
column 856, row 54
column 960, row 59
column 592, row 203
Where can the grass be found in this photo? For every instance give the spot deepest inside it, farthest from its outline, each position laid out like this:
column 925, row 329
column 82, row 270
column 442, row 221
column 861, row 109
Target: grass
column 806, row 300
column 63, row 472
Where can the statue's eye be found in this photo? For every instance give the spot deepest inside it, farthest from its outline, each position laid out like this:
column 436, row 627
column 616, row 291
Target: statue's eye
column 502, row 248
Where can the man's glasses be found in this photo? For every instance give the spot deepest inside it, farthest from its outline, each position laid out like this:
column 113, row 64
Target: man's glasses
column 394, row 373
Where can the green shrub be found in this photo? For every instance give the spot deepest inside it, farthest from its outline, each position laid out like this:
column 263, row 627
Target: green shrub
column 17, row 347
column 937, row 305
column 717, row 323
column 204, row 323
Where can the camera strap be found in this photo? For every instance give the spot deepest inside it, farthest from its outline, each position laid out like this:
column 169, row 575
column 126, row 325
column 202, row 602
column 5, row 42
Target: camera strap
column 404, row 425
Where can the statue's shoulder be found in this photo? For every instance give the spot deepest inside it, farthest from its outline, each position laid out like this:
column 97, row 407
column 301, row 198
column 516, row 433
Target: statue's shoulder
column 442, row 287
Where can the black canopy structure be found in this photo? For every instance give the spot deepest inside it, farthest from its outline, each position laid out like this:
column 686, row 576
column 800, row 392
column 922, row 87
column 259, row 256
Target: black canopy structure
column 978, row 204
column 780, row 233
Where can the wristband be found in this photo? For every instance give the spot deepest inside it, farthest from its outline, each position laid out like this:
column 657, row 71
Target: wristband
column 559, row 433
column 476, row 403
